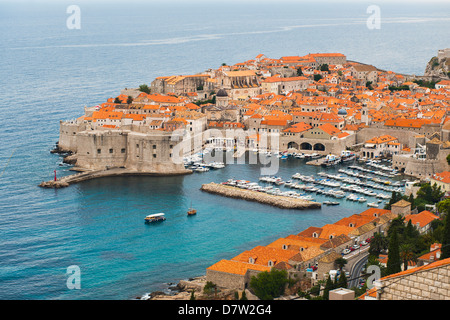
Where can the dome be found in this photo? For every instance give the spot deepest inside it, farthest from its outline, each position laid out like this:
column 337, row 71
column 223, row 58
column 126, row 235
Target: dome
column 222, row 93
column 342, row 112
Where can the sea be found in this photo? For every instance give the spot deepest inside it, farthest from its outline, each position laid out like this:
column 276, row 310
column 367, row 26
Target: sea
column 56, row 57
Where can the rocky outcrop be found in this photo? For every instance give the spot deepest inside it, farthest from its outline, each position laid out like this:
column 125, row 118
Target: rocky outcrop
column 438, row 68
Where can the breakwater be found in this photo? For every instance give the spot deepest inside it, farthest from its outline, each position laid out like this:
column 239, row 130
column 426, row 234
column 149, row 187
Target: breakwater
column 95, row 174
column 250, row 195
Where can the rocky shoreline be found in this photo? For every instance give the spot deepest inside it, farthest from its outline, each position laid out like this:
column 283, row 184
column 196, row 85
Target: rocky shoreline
column 183, row 291
column 276, row 201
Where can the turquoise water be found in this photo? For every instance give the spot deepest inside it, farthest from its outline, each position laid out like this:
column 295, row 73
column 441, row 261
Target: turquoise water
column 50, row 73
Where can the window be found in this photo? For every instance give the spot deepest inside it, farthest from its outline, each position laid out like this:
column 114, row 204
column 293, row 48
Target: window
column 270, row 264
column 111, row 150
column 122, row 150
column 154, row 146
column 154, row 155
column 99, row 151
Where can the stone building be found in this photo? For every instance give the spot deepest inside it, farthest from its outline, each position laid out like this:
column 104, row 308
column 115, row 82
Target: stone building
column 428, row 282
column 401, row 208
column 239, row 84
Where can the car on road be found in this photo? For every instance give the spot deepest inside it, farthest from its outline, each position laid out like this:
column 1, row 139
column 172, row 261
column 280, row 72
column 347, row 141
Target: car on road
column 364, row 243
column 346, row 251
column 355, row 246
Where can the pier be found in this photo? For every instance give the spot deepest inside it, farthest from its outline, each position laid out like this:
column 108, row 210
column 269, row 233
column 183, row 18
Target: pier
column 94, row 174
column 261, row 197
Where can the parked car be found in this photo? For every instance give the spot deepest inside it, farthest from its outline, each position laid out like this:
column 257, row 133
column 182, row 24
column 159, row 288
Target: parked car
column 355, row 246
column 364, row 243
column 346, row 251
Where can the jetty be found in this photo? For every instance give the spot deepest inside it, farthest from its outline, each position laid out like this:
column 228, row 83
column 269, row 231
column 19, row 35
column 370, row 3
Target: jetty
column 261, row 197
column 95, row 174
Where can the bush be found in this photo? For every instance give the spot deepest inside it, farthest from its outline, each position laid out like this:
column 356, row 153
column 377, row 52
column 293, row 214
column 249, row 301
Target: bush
column 269, row 285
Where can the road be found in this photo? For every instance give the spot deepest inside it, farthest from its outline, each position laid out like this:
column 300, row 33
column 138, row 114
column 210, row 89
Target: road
column 356, row 268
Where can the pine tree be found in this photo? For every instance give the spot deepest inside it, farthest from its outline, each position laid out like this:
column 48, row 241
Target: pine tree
column 342, row 283
column 328, row 286
column 393, row 263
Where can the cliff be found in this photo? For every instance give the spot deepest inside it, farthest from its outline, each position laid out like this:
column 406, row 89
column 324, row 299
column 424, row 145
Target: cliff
column 438, row 68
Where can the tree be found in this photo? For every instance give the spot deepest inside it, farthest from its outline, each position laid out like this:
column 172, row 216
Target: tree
column 144, row 88
column 244, row 296
column 411, row 200
column 192, row 295
column 444, row 206
column 328, row 287
column 299, row 71
column 269, row 285
column 396, row 197
column 406, row 254
column 377, row 245
column 340, row 262
column 398, row 225
column 393, row 263
column 317, row 77
column 342, row 283
column 324, row 67
column 117, row 100
column 129, row 99
column 209, row 287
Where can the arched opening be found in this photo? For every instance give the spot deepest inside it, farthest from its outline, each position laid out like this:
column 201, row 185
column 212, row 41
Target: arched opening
column 306, row 146
column 292, row 145
column 319, row 147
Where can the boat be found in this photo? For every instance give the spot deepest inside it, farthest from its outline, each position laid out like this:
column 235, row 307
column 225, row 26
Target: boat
column 157, row 217
column 372, row 204
column 347, row 156
column 191, row 212
column 331, row 160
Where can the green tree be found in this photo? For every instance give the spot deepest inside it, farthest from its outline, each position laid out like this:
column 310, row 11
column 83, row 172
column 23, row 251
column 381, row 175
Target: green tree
column 144, row 88
column 299, row 71
column 209, row 288
column 377, row 244
column 244, row 296
column 340, row 262
column 269, row 285
column 324, row 67
column 444, row 206
column 317, row 77
column 411, row 200
column 117, row 100
column 129, row 99
column 329, row 285
column 192, row 295
column 448, row 157
column 398, row 225
column 396, row 197
column 342, row 283
column 393, row 263
column 406, row 254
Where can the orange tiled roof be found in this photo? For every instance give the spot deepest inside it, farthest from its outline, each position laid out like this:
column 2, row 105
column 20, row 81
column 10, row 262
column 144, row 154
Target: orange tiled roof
column 236, row 267
column 423, row 218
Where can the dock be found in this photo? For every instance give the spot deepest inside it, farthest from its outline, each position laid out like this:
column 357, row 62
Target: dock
column 261, row 197
column 95, row 174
